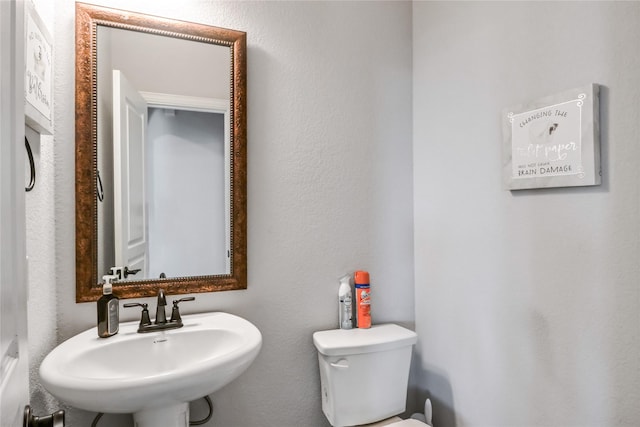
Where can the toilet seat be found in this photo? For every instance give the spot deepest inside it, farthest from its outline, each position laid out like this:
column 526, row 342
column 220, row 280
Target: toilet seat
column 386, row 422
column 397, row 422
column 408, row 423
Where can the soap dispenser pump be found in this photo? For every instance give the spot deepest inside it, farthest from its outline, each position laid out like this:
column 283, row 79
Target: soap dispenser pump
column 108, row 315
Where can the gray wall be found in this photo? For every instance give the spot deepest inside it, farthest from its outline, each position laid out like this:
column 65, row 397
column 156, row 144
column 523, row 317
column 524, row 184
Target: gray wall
column 185, row 195
column 526, row 302
column 329, row 155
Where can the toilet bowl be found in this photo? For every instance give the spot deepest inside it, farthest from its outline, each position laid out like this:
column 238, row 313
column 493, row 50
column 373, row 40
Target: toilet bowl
column 364, row 375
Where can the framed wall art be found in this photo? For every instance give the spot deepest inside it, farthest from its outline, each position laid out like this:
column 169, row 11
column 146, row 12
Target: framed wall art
column 553, row 141
column 38, row 72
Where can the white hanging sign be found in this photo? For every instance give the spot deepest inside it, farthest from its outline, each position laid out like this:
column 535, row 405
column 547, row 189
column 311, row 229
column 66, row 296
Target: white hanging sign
column 553, row 142
column 38, row 73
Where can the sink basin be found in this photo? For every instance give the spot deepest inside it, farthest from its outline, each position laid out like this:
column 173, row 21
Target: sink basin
column 153, row 375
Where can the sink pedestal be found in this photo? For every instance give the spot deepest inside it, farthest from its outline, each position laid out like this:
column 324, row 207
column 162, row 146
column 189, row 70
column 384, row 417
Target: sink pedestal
column 167, row 416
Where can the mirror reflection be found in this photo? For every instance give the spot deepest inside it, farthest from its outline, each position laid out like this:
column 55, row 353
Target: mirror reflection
column 163, row 155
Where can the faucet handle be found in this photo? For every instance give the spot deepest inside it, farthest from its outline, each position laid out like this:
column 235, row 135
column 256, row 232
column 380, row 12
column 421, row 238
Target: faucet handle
column 175, row 312
column 145, row 320
column 128, row 272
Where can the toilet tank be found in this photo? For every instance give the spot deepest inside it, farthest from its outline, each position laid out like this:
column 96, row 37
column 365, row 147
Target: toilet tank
column 364, row 373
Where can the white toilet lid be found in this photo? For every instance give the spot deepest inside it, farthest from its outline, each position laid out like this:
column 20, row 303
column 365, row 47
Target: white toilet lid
column 408, row 423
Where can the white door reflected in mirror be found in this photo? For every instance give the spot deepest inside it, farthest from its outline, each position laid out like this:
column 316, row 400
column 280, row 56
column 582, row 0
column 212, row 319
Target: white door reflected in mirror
column 129, row 204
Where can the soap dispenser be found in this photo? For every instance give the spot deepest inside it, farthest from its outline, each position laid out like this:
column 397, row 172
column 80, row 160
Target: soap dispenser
column 108, row 315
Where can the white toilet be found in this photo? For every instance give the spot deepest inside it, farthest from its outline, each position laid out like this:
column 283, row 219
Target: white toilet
column 364, row 374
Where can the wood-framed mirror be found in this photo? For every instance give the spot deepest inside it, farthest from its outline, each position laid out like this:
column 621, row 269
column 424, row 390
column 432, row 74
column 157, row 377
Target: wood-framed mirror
column 149, row 198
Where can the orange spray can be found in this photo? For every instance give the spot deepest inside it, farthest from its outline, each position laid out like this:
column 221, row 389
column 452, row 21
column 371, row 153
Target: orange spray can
column 363, row 299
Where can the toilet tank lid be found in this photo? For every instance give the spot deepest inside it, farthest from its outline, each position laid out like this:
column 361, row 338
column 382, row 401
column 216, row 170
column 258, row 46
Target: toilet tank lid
column 343, row 342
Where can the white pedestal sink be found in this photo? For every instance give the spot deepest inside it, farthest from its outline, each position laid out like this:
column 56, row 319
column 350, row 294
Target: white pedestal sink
column 152, row 375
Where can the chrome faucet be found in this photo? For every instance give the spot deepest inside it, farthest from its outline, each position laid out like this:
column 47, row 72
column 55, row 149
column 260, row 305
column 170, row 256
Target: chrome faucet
column 161, row 322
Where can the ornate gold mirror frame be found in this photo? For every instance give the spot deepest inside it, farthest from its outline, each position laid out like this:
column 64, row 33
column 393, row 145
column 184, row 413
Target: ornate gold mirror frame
column 88, row 18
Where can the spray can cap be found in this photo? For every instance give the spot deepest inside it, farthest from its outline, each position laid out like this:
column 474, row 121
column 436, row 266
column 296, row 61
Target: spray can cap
column 361, row 277
column 345, row 280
